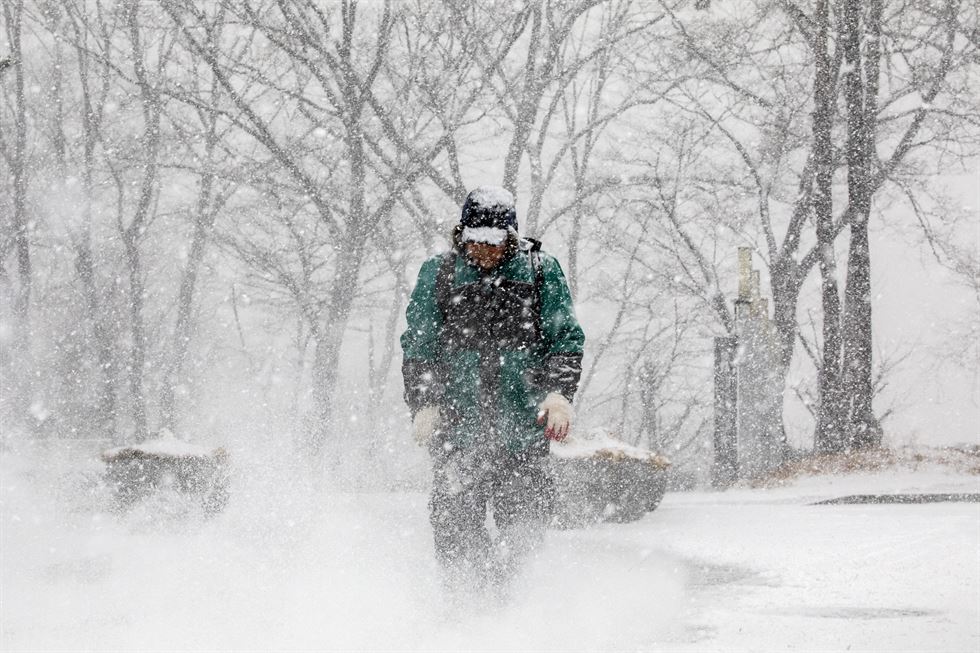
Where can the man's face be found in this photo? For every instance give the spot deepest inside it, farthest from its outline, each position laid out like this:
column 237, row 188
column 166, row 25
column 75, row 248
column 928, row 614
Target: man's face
column 485, row 255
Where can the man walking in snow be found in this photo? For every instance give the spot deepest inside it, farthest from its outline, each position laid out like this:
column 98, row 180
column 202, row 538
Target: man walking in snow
column 492, row 359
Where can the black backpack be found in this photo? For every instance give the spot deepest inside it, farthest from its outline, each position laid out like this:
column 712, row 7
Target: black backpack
column 446, row 275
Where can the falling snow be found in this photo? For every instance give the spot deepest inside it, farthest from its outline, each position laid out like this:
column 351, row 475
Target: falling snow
column 212, row 219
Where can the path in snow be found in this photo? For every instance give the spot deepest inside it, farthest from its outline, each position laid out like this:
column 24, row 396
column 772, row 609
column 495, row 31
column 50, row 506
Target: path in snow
column 287, row 567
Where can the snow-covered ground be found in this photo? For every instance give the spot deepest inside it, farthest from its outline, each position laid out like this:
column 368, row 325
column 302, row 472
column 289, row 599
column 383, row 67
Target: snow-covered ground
column 288, row 566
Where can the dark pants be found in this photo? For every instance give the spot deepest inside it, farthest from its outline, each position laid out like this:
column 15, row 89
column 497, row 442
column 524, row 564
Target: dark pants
column 520, row 495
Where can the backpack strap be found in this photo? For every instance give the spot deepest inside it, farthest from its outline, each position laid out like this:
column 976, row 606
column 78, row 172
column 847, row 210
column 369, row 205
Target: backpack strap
column 534, row 252
column 445, row 277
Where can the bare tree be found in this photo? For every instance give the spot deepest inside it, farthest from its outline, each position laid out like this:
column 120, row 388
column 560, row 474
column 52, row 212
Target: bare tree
column 133, row 231
column 15, row 236
column 213, row 192
column 868, row 151
column 329, row 144
column 94, row 79
column 331, row 64
column 18, row 238
column 830, row 425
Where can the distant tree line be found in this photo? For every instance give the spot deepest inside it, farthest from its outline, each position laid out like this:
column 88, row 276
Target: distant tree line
column 173, row 164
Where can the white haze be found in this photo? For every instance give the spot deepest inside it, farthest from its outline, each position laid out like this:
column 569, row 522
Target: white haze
column 293, row 566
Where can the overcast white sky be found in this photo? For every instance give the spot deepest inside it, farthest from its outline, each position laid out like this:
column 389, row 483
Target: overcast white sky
column 917, row 307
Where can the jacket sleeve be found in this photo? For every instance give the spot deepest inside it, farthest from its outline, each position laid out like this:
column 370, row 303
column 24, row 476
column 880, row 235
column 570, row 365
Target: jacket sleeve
column 563, row 336
column 421, row 370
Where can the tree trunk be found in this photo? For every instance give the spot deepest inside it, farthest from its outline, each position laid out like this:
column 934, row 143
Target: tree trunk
column 137, row 352
column 326, row 361
column 133, row 234
column 829, row 431
column 345, row 283
column 100, row 314
column 378, row 371
column 860, row 90
column 13, row 14
column 204, row 216
column 102, row 332
column 173, row 378
column 831, row 416
column 864, row 431
column 785, row 278
column 20, row 357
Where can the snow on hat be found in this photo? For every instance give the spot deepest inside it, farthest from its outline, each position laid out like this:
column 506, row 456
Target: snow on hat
column 488, row 214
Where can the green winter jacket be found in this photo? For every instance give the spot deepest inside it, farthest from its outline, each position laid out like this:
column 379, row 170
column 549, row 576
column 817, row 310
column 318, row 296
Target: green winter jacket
column 487, row 346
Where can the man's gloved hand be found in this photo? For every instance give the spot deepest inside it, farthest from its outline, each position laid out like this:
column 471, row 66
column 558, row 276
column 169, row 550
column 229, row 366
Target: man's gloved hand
column 425, row 424
column 558, row 413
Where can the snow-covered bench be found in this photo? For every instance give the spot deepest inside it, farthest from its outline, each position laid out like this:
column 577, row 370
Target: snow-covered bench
column 136, row 471
column 600, row 478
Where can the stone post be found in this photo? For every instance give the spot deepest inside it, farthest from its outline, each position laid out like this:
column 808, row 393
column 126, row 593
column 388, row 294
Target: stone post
column 748, row 394
column 724, row 471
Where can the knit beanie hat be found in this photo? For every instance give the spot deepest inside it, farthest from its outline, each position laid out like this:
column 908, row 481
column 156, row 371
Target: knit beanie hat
column 488, row 215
